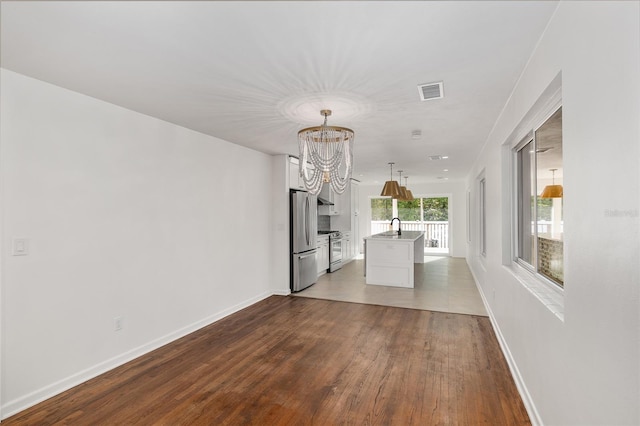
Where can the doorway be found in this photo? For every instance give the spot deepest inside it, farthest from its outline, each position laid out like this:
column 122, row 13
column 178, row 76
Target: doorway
column 429, row 213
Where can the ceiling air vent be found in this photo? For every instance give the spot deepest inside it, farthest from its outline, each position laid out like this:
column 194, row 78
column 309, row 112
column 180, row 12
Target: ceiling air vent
column 431, row 91
column 435, row 157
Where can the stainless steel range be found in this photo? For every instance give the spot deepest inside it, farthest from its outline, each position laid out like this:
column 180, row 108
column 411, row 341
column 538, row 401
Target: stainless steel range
column 335, row 249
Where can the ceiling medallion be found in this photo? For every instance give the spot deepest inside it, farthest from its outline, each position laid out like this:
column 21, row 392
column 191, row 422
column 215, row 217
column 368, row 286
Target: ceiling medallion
column 303, row 109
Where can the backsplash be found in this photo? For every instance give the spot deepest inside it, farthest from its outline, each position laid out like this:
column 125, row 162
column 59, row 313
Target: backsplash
column 324, row 223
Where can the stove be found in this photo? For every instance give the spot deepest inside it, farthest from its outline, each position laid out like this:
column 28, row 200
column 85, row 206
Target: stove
column 335, row 249
column 332, row 234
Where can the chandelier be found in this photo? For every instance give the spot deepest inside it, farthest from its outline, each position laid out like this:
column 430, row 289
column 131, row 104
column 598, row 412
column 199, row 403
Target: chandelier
column 553, row 190
column 391, row 187
column 325, row 156
column 409, row 193
column 405, row 194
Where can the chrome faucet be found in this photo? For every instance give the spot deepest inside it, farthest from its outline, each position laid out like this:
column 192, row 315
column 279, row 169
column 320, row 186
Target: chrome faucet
column 399, row 225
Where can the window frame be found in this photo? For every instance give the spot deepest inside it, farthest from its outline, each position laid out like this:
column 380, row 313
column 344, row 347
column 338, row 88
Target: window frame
column 548, row 294
column 482, row 213
column 530, row 137
column 396, row 213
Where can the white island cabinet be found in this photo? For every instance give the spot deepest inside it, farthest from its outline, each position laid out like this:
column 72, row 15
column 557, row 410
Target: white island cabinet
column 389, row 257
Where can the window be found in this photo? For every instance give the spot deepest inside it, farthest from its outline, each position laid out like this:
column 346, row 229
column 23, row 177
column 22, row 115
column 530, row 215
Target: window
column 381, row 209
column 539, row 222
column 409, row 211
column 483, row 219
column 430, row 215
column 435, row 209
column 468, row 216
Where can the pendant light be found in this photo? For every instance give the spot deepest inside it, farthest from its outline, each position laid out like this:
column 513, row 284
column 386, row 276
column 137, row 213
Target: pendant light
column 330, row 150
column 409, row 193
column 403, row 189
column 391, row 187
column 552, row 191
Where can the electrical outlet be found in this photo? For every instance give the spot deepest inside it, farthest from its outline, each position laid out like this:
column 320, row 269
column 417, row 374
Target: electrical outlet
column 20, row 247
column 117, row 323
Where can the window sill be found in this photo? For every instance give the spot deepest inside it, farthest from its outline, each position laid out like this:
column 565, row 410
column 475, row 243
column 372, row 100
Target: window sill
column 552, row 298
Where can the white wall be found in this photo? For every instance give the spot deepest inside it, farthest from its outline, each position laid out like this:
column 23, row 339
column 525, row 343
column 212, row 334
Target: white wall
column 583, row 369
column 126, row 215
column 456, row 192
column 280, row 249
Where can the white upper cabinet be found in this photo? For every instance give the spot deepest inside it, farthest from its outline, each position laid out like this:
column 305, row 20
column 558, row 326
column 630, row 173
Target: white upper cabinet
column 295, row 181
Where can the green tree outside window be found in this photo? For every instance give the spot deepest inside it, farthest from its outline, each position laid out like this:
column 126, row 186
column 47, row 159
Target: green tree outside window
column 435, row 209
column 409, row 211
column 381, row 209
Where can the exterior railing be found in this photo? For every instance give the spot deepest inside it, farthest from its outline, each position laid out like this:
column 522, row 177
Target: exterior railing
column 436, row 234
column 546, row 226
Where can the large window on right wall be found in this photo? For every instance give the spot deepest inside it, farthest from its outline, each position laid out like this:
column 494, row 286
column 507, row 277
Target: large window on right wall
column 539, row 187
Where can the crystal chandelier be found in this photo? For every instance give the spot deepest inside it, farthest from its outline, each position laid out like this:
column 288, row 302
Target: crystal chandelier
column 325, row 156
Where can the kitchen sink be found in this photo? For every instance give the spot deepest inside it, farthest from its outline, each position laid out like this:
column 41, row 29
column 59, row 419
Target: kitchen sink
column 388, row 234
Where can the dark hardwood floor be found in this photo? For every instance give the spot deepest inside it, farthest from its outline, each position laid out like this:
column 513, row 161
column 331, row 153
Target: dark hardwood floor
column 299, row 361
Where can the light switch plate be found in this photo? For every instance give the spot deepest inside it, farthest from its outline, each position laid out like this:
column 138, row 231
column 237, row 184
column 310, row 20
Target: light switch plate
column 20, row 247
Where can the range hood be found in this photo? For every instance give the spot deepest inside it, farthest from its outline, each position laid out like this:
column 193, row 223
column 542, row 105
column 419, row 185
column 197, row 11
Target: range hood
column 323, row 202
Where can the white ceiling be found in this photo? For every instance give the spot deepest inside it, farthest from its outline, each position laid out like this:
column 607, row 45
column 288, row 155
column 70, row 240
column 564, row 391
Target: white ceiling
column 254, row 73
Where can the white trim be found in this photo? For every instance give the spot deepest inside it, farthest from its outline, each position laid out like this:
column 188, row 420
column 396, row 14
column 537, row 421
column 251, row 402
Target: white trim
column 46, row 392
column 2, row 263
column 468, row 215
column 529, row 405
column 547, row 104
column 481, row 244
column 547, row 292
column 508, row 205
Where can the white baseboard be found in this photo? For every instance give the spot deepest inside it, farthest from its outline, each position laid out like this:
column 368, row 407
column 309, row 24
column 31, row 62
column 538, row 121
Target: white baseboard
column 46, row 392
column 534, row 416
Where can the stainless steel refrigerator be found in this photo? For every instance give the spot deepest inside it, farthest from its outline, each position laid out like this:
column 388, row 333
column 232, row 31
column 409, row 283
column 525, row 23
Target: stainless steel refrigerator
column 304, row 232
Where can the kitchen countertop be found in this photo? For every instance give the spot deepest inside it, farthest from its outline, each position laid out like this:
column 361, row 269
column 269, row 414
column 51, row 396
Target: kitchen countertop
column 393, row 235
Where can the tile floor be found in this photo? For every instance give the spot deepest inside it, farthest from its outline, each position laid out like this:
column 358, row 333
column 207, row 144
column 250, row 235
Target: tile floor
column 443, row 284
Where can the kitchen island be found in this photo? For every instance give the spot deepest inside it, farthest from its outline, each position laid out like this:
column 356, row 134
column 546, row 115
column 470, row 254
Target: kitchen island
column 389, row 257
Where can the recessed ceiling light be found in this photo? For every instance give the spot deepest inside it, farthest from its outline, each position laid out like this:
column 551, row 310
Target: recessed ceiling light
column 435, row 157
column 445, row 170
column 444, row 157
